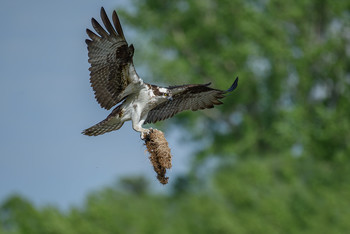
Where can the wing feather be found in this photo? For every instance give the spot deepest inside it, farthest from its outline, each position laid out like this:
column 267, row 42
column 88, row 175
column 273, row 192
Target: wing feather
column 98, row 28
column 92, row 35
column 110, row 58
column 188, row 97
column 117, row 25
column 107, row 23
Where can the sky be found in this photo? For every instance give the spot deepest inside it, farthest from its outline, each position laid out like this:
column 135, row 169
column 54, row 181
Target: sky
column 46, row 101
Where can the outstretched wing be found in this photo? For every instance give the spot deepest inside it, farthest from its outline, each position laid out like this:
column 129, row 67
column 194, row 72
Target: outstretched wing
column 188, row 97
column 110, row 58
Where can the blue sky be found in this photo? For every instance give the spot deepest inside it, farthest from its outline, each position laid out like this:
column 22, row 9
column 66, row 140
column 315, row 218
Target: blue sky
column 46, row 101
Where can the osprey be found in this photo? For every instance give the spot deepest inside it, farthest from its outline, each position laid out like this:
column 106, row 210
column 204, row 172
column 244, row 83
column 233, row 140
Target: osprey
column 114, row 80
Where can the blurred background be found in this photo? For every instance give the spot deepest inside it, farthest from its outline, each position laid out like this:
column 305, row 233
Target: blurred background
column 273, row 159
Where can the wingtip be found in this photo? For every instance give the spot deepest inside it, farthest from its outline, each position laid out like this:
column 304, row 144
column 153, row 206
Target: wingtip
column 233, row 86
column 93, row 21
column 103, row 12
column 117, row 24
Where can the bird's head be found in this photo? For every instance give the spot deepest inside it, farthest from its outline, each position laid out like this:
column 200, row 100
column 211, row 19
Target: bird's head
column 166, row 93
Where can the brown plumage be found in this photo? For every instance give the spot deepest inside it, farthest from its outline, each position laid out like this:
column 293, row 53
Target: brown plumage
column 115, row 81
column 110, row 58
column 188, row 97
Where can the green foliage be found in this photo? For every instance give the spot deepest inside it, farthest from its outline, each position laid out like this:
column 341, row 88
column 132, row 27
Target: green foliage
column 287, row 195
column 18, row 215
column 268, row 195
column 274, row 158
column 292, row 58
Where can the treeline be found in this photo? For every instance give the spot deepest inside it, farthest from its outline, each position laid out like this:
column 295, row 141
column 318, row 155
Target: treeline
column 280, row 194
column 273, row 159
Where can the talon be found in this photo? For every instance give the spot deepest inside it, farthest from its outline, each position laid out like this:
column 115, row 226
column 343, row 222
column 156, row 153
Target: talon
column 144, row 134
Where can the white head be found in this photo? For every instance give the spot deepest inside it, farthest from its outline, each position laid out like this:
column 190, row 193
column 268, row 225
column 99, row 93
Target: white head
column 165, row 93
column 160, row 92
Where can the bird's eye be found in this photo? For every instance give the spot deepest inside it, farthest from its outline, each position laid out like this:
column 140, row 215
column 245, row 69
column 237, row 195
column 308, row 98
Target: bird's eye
column 166, row 94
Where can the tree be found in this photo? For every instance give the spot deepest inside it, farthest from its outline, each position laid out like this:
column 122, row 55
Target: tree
column 293, row 63
column 273, row 159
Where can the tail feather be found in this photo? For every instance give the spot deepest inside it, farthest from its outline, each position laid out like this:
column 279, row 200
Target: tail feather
column 103, row 127
column 111, row 123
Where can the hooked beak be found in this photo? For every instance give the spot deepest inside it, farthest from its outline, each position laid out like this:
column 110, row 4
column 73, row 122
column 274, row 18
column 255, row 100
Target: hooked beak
column 170, row 98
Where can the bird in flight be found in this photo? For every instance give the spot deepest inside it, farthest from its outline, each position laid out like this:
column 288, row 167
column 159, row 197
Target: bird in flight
column 114, row 80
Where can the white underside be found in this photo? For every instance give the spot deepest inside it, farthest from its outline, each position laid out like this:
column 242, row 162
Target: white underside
column 139, row 102
column 136, row 108
column 140, row 99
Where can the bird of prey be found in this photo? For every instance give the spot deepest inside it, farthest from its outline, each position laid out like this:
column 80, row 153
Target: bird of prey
column 114, row 80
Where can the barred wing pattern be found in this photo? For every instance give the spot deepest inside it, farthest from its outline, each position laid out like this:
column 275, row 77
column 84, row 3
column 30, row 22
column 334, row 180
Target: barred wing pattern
column 110, row 58
column 188, row 97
